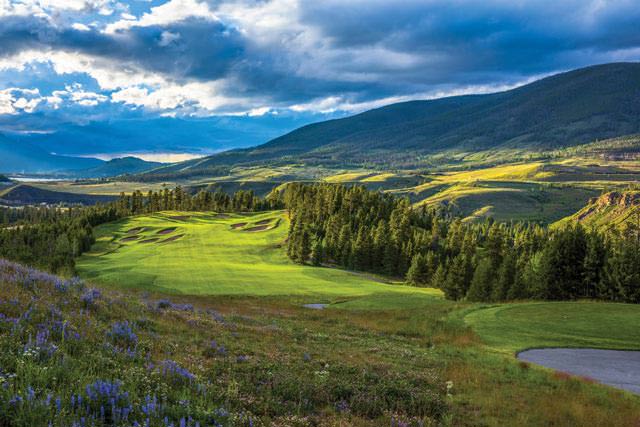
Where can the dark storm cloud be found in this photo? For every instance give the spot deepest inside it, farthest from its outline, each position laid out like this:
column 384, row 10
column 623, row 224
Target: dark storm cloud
column 472, row 41
column 202, row 49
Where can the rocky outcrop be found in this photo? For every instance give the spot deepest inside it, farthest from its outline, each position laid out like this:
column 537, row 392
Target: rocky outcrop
column 615, row 198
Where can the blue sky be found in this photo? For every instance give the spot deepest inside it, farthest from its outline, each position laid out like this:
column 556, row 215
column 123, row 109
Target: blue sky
column 108, row 77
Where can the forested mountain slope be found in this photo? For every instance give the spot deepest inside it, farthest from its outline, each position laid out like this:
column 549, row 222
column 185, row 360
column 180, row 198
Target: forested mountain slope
column 566, row 109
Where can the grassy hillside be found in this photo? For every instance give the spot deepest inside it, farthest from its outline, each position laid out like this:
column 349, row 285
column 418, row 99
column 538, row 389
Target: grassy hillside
column 567, row 109
column 613, row 210
column 70, row 352
column 211, row 254
column 72, row 355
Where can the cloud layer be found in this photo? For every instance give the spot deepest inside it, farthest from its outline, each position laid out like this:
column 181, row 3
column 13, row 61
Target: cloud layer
column 254, row 57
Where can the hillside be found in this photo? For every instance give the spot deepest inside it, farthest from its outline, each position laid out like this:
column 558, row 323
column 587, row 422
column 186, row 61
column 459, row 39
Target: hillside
column 28, row 195
column 563, row 110
column 616, row 209
column 23, row 157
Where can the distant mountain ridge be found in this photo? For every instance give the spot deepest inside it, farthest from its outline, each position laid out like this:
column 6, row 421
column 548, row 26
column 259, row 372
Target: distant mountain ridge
column 566, row 109
column 116, row 167
column 25, row 158
column 21, row 157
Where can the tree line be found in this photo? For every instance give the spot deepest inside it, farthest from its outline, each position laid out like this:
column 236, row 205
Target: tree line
column 362, row 230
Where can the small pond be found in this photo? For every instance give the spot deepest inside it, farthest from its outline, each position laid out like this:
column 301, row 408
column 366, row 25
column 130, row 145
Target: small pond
column 617, row 368
column 315, row 306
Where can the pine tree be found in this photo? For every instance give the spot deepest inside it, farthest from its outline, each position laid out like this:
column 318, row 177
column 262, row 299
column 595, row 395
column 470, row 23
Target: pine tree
column 418, row 274
column 304, row 248
column 482, row 282
column 317, row 253
column 506, row 277
column 439, row 278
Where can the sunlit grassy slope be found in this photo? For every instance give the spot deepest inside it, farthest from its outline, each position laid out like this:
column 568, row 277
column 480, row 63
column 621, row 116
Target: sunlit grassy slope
column 614, row 210
column 514, row 327
column 213, row 257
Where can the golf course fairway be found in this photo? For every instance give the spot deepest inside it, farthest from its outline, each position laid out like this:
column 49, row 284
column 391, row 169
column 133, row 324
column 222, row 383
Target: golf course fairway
column 215, row 254
column 520, row 326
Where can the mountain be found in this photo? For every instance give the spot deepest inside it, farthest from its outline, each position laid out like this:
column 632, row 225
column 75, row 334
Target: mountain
column 21, row 157
column 115, row 167
column 563, row 110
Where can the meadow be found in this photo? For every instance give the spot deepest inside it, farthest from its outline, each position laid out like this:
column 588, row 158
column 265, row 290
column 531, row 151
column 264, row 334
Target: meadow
column 73, row 354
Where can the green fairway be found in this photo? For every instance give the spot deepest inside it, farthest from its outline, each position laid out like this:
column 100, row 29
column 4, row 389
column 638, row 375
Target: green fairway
column 214, row 254
column 514, row 327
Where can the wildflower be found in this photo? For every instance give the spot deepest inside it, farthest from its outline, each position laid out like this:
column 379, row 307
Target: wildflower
column 449, row 388
column 89, row 298
column 342, row 406
column 163, row 303
column 177, row 373
column 122, row 335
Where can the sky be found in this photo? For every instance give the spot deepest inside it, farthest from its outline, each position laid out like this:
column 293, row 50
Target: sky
column 174, row 78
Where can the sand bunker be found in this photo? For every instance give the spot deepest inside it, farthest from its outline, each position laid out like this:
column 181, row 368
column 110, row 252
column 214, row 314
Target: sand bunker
column 264, row 221
column 257, row 228
column 155, row 239
column 135, row 230
column 238, row 225
column 129, row 239
column 172, row 238
column 167, row 231
column 222, row 216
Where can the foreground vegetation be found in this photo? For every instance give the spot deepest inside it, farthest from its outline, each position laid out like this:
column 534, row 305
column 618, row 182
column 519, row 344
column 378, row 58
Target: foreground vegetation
column 75, row 355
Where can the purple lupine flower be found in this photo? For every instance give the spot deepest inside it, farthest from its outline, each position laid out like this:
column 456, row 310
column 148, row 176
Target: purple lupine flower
column 122, row 335
column 89, row 298
column 175, row 372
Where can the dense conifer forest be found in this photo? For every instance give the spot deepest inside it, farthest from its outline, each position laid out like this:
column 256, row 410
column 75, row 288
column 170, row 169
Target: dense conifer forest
column 488, row 261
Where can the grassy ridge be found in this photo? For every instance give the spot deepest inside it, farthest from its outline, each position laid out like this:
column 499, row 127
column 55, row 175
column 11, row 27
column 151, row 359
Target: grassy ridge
column 213, row 258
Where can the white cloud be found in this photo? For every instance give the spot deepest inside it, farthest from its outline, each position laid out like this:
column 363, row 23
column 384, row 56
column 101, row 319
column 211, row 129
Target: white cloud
column 109, row 74
column 17, row 100
column 193, row 98
column 167, row 37
column 47, row 8
column 167, row 13
column 341, row 103
column 80, row 27
column 75, row 93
